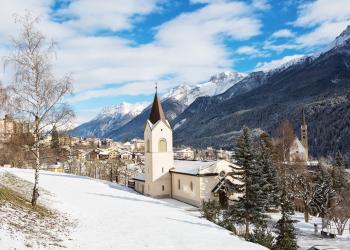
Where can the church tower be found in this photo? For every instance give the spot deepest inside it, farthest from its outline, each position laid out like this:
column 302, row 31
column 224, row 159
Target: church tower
column 303, row 130
column 159, row 157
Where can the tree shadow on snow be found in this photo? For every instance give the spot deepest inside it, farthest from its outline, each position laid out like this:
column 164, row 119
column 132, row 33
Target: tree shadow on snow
column 147, row 199
column 197, row 223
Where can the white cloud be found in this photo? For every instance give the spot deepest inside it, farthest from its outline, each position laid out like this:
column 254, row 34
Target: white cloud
column 283, row 33
column 114, row 15
column 261, row 4
column 327, row 18
column 188, row 48
column 247, row 50
column 321, row 11
column 323, row 34
column 266, row 66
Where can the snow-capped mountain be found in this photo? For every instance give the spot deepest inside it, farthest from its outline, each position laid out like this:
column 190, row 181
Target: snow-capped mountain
column 110, row 117
column 216, row 85
column 176, row 100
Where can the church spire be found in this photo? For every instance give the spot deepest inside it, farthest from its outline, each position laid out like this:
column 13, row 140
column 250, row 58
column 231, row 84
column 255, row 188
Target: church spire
column 303, row 120
column 156, row 110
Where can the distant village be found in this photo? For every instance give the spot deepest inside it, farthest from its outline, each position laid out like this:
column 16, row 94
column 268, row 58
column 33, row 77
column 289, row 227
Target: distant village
column 94, row 157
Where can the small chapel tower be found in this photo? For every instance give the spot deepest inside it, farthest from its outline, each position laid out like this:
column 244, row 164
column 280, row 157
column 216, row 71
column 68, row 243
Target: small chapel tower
column 159, row 155
column 303, row 131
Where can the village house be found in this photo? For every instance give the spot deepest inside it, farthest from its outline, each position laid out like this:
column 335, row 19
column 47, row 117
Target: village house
column 9, row 126
column 187, row 181
column 184, row 154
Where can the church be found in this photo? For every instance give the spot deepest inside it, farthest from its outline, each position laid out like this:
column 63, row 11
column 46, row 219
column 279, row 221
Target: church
column 187, row 181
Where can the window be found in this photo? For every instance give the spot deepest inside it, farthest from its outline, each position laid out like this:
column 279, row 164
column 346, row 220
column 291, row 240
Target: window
column 178, row 184
column 162, row 187
column 191, row 186
column 162, row 145
column 162, row 170
column 148, row 146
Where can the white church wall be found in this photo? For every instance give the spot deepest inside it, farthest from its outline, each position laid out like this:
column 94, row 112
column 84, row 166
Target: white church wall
column 184, row 192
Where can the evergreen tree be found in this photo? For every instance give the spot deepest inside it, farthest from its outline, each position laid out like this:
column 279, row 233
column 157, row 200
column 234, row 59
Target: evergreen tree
column 324, row 194
column 55, row 143
column 269, row 173
column 339, row 174
column 249, row 207
column 286, row 239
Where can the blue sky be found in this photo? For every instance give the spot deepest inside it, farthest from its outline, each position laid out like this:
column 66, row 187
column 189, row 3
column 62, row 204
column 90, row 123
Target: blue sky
column 116, row 49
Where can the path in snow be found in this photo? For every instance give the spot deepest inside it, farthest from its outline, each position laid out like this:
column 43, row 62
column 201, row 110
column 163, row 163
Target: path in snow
column 111, row 216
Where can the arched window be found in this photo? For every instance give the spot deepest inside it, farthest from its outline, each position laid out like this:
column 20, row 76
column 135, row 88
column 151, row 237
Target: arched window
column 162, row 145
column 178, row 184
column 148, row 146
column 191, row 185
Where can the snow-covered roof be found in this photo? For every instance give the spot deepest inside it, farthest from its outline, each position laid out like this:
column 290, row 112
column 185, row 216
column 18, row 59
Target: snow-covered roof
column 191, row 167
column 139, row 177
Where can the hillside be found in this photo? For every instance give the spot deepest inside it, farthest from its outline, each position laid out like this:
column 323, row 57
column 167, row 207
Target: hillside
column 110, row 216
column 320, row 84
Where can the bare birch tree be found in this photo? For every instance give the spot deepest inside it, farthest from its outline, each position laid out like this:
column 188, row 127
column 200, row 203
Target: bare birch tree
column 35, row 93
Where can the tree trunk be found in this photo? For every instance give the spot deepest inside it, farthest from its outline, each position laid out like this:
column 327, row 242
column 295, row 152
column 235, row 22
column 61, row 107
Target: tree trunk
column 246, row 229
column 306, row 213
column 35, row 194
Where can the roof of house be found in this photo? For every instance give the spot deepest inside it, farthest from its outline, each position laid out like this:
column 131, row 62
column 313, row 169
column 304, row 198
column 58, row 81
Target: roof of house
column 139, row 177
column 191, row 167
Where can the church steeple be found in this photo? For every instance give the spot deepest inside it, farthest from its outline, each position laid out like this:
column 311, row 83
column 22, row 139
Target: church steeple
column 303, row 130
column 303, row 120
column 156, row 110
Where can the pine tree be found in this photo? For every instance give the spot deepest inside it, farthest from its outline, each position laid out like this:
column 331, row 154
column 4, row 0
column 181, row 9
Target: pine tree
column 324, row 193
column 286, row 239
column 269, row 173
column 339, row 173
column 55, row 143
column 249, row 207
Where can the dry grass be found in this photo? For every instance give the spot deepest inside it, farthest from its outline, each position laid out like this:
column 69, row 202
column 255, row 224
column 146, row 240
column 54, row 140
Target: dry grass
column 39, row 225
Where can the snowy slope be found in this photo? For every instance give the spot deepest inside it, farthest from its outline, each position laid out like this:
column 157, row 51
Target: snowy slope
column 111, row 216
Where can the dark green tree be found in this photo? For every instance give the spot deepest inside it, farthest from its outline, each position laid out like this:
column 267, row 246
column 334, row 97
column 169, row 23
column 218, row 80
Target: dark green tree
column 55, row 142
column 286, row 239
column 269, row 173
column 339, row 174
column 249, row 207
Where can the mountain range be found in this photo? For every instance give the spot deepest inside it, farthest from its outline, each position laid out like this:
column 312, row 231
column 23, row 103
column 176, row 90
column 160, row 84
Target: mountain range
column 320, row 84
column 110, row 122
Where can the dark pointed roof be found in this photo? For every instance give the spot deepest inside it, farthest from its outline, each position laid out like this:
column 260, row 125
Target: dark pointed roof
column 303, row 120
column 156, row 111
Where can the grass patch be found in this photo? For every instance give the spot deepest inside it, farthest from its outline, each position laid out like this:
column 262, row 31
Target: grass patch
column 17, row 200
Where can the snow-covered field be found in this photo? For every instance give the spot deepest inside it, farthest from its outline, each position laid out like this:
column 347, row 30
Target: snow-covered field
column 110, row 216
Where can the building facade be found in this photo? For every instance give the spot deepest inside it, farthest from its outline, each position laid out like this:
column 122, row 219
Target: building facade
column 187, row 181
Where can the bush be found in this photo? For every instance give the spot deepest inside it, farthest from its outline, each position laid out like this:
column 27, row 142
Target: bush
column 262, row 236
column 211, row 210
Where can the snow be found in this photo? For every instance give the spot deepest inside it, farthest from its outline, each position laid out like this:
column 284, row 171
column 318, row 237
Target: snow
column 191, row 167
column 339, row 40
column 123, row 108
column 179, row 124
column 111, row 216
column 217, row 84
column 306, row 237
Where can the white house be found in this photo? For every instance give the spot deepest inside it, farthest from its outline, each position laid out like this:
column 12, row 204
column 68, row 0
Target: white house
column 187, row 181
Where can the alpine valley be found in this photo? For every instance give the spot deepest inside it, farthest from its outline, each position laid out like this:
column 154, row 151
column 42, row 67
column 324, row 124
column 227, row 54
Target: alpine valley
column 213, row 113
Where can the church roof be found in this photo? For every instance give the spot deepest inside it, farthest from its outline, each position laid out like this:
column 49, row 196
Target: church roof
column 156, row 111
